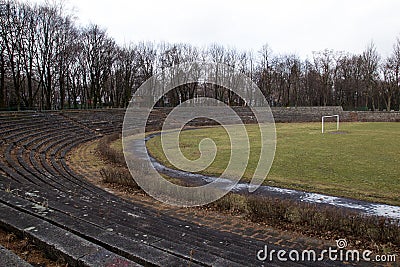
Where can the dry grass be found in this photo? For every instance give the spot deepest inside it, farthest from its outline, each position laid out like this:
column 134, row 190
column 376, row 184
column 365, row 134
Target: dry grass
column 109, row 153
column 117, row 172
column 314, row 220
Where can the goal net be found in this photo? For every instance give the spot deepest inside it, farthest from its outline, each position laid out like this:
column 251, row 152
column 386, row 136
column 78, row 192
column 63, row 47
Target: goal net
column 329, row 123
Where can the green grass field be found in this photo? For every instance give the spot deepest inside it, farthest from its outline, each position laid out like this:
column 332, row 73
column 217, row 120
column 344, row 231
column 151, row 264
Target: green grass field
column 362, row 163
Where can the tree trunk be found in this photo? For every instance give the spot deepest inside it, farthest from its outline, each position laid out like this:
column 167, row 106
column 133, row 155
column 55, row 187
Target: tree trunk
column 388, row 103
column 2, row 81
column 62, row 92
column 48, row 90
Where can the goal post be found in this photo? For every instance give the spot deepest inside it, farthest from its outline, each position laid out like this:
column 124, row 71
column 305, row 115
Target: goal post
column 330, row 116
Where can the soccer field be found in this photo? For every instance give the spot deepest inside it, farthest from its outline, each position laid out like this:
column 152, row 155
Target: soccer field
column 361, row 162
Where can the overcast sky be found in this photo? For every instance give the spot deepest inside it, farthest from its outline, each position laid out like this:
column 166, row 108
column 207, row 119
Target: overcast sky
column 288, row 26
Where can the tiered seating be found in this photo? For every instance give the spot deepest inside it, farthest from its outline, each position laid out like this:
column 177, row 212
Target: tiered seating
column 104, row 121
column 304, row 114
column 36, row 183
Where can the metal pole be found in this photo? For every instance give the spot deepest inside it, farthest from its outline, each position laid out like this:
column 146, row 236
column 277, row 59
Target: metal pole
column 337, row 123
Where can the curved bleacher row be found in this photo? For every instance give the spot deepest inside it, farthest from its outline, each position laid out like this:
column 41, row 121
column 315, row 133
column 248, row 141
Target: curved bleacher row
column 40, row 196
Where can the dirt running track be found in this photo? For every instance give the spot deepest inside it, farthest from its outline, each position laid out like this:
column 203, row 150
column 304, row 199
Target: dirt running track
column 42, row 198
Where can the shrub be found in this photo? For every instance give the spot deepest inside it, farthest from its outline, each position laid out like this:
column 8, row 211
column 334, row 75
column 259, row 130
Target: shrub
column 231, row 202
column 313, row 218
column 118, row 175
column 109, row 153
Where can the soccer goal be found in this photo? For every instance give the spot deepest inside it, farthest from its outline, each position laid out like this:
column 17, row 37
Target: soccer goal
column 331, row 116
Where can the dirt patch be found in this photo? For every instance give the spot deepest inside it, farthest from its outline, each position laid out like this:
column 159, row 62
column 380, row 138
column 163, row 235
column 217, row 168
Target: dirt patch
column 26, row 250
column 337, row 132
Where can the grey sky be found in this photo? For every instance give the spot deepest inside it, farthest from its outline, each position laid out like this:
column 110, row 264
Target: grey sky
column 288, row 26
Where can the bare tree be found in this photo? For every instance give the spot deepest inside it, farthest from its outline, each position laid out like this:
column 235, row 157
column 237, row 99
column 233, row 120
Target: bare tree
column 348, row 81
column 216, row 54
column 12, row 36
column 325, row 63
column 264, row 72
column 49, row 62
column 170, row 56
column 67, row 45
column 369, row 69
column 3, row 56
column 391, row 74
column 125, row 70
column 99, row 54
column 77, row 74
column 28, row 53
column 49, row 25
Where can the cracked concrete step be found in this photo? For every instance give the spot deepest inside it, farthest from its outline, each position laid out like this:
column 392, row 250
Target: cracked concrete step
column 161, row 250
column 159, row 238
column 209, row 247
column 8, row 258
column 128, row 246
column 58, row 242
column 150, row 249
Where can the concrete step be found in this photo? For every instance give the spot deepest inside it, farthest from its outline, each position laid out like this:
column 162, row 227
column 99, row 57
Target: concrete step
column 58, row 242
column 8, row 258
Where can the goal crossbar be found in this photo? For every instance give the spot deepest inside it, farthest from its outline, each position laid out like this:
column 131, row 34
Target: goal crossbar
column 331, row 116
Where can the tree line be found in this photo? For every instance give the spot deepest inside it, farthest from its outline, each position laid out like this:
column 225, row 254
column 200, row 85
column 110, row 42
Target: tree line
column 47, row 62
